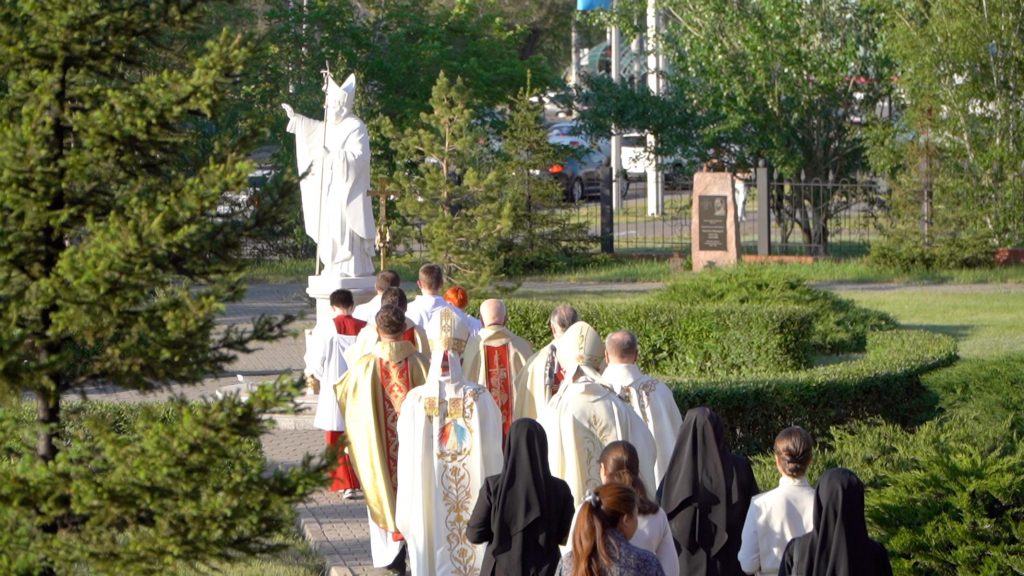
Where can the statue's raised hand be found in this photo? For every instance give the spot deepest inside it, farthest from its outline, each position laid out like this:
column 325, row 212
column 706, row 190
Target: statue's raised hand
column 288, row 110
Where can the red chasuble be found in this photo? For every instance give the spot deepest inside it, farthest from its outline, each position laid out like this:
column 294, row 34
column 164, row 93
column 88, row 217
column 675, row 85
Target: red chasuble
column 499, row 383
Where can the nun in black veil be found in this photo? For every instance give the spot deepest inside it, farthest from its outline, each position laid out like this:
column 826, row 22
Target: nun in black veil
column 705, row 493
column 839, row 544
column 524, row 513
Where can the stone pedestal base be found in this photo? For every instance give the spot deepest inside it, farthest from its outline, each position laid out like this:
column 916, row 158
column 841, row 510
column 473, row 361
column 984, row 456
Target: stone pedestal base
column 320, row 288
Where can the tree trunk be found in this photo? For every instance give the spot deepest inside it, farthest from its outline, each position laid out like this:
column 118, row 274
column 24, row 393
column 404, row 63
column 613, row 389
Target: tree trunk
column 47, row 414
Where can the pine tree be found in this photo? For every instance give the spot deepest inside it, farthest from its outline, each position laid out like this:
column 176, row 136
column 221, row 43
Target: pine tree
column 113, row 268
column 450, row 192
column 541, row 235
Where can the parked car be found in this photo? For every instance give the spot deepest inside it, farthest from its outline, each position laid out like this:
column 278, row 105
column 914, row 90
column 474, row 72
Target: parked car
column 243, row 202
column 586, row 170
column 636, row 158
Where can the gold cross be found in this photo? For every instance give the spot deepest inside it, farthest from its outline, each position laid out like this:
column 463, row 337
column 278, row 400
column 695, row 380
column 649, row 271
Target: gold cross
column 383, row 230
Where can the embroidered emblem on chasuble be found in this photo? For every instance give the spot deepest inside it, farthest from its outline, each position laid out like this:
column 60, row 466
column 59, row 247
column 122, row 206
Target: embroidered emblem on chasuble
column 499, row 383
column 394, row 380
column 454, row 443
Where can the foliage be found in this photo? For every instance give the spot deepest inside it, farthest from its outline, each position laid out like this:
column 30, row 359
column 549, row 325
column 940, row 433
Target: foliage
column 838, row 326
column 884, row 382
column 540, row 237
column 448, row 193
column 138, row 489
column 955, row 154
column 481, row 211
column 687, row 340
column 114, row 265
column 945, row 498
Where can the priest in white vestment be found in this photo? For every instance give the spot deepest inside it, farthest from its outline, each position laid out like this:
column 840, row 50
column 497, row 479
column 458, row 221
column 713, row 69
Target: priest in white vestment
column 450, row 432
column 542, row 375
column 368, row 336
column 586, row 415
column 498, row 360
column 651, row 399
column 370, row 396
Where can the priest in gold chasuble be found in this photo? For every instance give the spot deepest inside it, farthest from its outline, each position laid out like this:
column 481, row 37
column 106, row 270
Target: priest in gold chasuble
column 370, row 396
column 541, row 377
column 497, row 360
column 586, row 415
column 450, row 431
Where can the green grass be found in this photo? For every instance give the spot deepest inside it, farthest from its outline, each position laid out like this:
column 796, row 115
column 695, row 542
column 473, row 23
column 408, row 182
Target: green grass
column 298, row 559
column 986, row 322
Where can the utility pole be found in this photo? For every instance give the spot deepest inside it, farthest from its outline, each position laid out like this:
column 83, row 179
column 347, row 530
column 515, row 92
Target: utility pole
column 616, row 140
column 655, row 178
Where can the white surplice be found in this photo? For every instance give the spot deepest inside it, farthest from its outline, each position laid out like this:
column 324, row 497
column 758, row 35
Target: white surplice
column 653, row 402
column 450, row 442
column 332, row 368
column 580, row 420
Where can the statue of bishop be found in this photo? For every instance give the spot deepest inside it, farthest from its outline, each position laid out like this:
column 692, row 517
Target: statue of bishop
column 333, row 158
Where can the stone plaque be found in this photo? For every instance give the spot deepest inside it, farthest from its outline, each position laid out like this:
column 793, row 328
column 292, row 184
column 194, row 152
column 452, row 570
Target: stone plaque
column 714, row 228
column 713, row 214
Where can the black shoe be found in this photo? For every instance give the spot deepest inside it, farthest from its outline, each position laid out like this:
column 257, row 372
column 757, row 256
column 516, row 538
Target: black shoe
column 398, row 565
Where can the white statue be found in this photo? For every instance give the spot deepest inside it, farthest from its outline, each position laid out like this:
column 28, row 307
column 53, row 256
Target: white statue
column 334, row 155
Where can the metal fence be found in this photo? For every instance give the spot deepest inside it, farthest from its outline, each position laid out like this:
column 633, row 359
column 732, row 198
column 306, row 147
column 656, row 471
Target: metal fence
column 803, row 217
column 821, row 217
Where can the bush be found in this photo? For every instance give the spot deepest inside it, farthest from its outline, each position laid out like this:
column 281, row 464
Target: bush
column 690, row 340
column 839, row 325
column 139, row 488
column 883, row 383
column 947, row 499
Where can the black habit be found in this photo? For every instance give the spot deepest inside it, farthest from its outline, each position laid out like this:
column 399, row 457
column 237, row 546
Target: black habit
column 705, row 493
column 839, row 544
column 524, row 513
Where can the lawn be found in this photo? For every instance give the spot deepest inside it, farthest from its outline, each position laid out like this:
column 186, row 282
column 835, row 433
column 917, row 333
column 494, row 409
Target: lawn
column 986, row 320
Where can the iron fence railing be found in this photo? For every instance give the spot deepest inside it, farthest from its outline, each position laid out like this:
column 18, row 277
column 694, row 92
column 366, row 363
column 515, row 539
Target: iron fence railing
column 824, row 218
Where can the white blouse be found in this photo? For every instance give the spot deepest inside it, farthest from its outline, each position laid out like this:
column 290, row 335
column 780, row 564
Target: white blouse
column 773, row 519
column 654, row 534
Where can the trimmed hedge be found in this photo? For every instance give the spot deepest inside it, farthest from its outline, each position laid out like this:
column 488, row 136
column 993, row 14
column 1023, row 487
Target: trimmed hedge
column 840, row 326
column 689, row 340
column 883, row 383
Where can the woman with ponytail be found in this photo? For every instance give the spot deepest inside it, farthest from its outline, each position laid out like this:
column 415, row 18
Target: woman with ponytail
column 600, row 542
column 620, row 463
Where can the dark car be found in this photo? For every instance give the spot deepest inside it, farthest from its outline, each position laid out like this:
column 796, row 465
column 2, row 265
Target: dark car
column 585, row 171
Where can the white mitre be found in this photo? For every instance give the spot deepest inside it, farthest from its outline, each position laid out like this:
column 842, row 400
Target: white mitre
column 447, row 333
column 580, row 346
column 343, row 96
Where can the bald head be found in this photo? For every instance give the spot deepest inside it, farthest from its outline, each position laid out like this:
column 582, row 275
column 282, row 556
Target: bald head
column 492, row 311
column 621, row 347
column 561, row 318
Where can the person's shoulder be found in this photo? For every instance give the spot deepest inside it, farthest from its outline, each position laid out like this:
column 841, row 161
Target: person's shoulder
column 644, row 562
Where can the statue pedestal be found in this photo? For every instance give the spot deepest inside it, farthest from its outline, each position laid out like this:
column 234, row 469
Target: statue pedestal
column 320, row 288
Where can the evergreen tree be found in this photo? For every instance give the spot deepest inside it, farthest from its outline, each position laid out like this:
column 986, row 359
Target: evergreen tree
column 114, row 265
column 449, row 191
column 541, row 235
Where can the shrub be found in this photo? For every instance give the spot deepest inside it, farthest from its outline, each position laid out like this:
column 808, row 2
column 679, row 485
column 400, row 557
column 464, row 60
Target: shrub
column 689, row 340
column 839, row 325
column 883, row 383
column 147, row 486
column 946, row 499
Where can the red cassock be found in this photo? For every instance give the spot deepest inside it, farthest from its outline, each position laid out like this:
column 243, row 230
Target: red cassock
column 343, row 477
